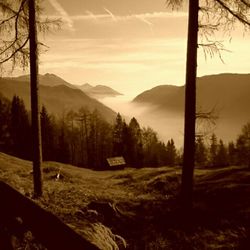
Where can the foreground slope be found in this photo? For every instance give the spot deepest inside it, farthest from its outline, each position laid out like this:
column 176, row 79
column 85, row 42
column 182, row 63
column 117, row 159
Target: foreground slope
column 141, row 205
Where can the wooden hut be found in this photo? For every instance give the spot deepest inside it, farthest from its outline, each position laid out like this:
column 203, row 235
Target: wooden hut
column 117, row 162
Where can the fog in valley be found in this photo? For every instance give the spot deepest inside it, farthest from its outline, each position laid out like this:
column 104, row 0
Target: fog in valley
column 169, row 125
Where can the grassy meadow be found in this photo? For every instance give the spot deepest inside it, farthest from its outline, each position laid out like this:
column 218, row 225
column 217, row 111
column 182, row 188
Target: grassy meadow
column 139, row 208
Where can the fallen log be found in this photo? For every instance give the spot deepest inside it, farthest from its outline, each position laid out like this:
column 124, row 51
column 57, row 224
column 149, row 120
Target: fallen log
column 46, row 227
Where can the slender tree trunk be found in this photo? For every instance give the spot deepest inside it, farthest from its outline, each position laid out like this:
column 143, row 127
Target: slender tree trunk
column 190, row 107
column 35, row 110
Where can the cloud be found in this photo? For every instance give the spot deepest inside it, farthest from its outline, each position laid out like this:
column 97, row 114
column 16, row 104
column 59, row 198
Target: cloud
column 130, row 65
column 144, row 20
column 141, row 17
column 63, row 14
column 110, row 14
column 91, row 15
column 107, row 24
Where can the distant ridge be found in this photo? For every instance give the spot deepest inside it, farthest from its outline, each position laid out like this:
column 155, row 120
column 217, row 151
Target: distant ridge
column 163, row 96
column 98, row 91
column 58, row 99
column 46, row 79
column 85, row 87
column 228, row 94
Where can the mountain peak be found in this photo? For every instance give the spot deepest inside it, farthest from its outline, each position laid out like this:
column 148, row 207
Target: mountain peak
column 98, row 91
column 85, row 86
column 49, row 74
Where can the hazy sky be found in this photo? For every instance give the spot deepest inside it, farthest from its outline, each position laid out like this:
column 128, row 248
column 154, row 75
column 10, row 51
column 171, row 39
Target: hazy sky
column 130, row 45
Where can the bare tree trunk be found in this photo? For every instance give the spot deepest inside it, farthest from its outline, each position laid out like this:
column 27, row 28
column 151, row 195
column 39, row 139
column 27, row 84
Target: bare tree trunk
column 35, row 110
column 190, row 107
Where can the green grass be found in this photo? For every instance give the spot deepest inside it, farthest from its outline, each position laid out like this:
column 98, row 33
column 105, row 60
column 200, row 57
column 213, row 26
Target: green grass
column 146, row 213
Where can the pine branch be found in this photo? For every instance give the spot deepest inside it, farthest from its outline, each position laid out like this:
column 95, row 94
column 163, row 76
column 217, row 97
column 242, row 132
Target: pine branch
column 16, row 16
column 233, row 13
column 246, row 3
column 16, row 51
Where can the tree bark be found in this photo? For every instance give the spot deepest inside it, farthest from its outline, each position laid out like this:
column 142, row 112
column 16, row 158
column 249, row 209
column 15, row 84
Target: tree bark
column 190, row 107
column 35, row 110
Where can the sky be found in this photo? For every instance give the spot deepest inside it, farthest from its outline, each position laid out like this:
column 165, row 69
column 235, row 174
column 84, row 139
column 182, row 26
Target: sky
column 129, row 45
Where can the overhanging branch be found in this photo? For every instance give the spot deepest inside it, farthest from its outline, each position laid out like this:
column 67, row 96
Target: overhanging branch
column 246, row 3
column 15, row 52
column 233, row 13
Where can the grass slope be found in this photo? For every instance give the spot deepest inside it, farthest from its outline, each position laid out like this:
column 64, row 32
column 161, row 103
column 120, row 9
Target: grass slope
column 141, row 206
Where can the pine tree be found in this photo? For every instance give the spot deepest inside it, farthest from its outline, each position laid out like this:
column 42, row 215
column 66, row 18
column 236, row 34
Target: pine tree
column 73, row 137
column 20, row 129
column 171, row 153
column 4, row 124
column 213, row 150
column 232, row 154
column 48, row 140
column 150, row 147
column 222, row 155
column 63, row 153
column 135, row 148
column 243, row 146
column 200, row 152
column 84, row 120
column 118, row 131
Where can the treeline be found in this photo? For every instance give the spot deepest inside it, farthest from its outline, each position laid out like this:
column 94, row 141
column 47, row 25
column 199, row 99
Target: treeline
column 216, row 153
column 85, row 139
column 82, row 138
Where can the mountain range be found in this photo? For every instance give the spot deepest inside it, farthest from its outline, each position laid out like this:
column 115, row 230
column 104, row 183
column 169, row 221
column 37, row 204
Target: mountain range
column 52, row 80
column 227, row 95
column 47, row 79
column 162, row 106
column 98, row 91
column 57, row 95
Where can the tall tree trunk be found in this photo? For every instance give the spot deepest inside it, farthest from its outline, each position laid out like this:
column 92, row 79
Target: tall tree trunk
column 190, row 107
column 35, row 110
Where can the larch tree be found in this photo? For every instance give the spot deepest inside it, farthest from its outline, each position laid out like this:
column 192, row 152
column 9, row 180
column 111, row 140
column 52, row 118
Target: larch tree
column 19, row 45
column 35, row 108
column 215, row 15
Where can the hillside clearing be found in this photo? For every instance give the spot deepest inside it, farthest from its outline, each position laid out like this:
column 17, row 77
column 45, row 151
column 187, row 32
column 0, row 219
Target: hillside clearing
column 140, row 206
